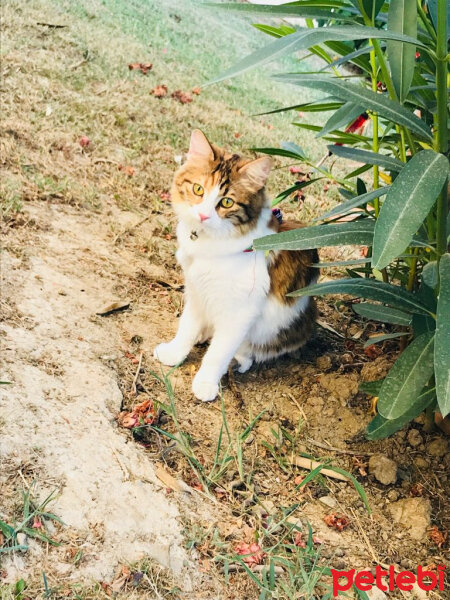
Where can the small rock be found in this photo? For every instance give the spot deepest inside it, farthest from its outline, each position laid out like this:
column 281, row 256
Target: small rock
column 414, row 438
column 339, row 564
column 339, row 552
column 421, row 462
column 446, row 461
column 438, row 447
column 328, row 501
column 383, row 468
column 22, row 539
column 376, row 594
column 413, row 514
column 393, row 495
column 323, row 362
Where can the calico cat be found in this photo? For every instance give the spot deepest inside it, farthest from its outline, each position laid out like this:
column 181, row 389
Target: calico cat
column 234, row 296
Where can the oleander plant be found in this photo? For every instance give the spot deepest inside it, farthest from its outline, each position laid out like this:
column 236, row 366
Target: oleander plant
column 384, row 62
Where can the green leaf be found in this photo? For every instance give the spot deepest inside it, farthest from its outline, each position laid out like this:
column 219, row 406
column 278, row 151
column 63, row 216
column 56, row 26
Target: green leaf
column 292, row 189
column 380, row 427
column 306, row 107
column 348, row 57
column 367, row 288
column 305, row 38
column 344, row 115
column 372, row 8
column 287, row 152
column 340, row 263
column 430, row 274
column 356, row 232
column 274, row 31
column 372, row 158
column 372, row 388
column 305, row 9
column 402, row 18
column 345, row 207
column 380, row 103
column 384, row 314
column 377, row 339
column 407, row 204
column 442, row 348
column 409, row 374
column 423, row 324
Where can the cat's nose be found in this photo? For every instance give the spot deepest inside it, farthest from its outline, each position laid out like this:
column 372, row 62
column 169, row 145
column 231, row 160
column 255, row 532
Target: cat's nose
column 203, row 217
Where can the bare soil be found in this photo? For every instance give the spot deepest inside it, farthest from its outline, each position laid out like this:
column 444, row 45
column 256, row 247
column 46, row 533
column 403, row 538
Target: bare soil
column 73, row 371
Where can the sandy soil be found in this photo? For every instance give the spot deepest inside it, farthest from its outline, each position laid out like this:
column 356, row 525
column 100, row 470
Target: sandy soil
column 73, row 371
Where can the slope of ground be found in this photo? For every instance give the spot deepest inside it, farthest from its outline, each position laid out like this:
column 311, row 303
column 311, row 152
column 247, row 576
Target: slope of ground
column 87, row 157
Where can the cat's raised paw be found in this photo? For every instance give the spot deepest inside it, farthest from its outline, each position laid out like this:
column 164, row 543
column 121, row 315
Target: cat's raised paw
column 169, row 354
column 206, row 391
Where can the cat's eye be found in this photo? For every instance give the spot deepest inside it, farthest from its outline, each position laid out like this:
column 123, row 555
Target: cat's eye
column 226, row 202
column 198, row 189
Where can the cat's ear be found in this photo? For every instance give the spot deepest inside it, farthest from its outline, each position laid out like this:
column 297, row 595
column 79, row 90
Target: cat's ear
column 257, row 171
column 199, row 147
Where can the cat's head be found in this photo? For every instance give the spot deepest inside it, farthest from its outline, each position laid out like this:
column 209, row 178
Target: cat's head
column 219, row 193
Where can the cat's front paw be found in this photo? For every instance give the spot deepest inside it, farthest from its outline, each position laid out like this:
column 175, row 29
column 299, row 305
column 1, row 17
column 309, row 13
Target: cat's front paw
column 169, row 354
column 206, row 391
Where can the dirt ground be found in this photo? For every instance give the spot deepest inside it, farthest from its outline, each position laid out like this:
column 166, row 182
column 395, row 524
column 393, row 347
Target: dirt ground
column 130, row 530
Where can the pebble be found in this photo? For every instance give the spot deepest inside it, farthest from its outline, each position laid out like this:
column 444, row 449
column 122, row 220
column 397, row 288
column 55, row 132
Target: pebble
column 421, row 462
column 438, row 447
column 383, row 469
column 340, row 552
column 414, row 438
column 323, row 362
column 393, row 495
column 22, row 539
column 328, row 501
column 413, row 515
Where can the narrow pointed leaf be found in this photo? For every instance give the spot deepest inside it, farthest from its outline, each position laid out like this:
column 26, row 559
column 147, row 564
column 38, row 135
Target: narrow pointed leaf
column 380, row 103
column 305, row 10
column 372, row 7
column 372, row 158
column 380, row 427
column 367, row 288
column 407, row 377
column 345, row 207
column 377, row 339
column 402, row 18
column 384, row 314
column 343, row 116
column 319, row 236
column 407, row 204
column 442, row 347
column 348, row 57
column 305, row 38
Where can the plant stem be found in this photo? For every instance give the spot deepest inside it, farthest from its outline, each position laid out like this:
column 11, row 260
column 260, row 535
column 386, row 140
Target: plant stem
column 425, row 20
column 441, row 136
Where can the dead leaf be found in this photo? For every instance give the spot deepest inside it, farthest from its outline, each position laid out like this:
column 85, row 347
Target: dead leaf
column 373, row 351
column 159, row 91
column 182, row 97
column 251, row 553
column 237, row 135
column 113, row 307
column 197, row 91
column 142, row 67
column 438, row 537
column 84, row 141
column 338, row 522
column 127, row 170
column 169, row 481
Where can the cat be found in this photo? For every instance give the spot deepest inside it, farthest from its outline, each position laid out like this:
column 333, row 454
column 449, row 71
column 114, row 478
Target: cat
column 234, row 296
